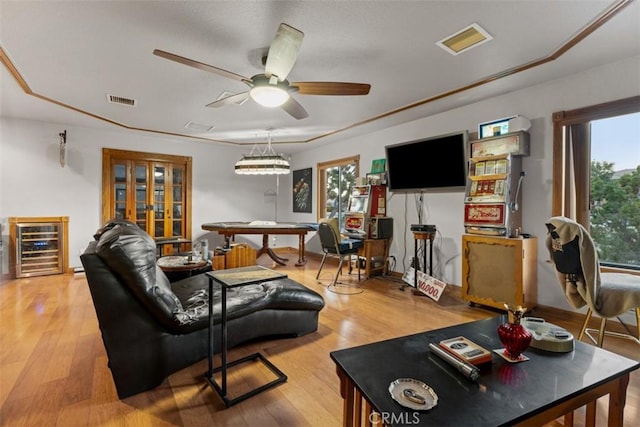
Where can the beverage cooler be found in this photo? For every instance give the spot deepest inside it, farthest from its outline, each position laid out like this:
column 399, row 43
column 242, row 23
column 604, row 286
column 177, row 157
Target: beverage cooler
column 493, row 201
column 38, row 246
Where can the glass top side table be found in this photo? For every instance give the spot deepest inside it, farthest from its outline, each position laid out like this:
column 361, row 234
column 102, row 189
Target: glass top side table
column 229, row 279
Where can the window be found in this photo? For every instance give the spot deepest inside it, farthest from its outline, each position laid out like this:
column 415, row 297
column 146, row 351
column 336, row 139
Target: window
column 596, row 177
column 335, row 179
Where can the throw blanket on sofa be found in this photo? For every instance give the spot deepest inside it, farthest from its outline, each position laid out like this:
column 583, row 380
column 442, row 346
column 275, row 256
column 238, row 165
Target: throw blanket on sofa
column 578, row 270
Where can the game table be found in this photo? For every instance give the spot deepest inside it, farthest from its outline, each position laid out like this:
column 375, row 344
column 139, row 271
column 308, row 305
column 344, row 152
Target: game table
column 230, row 229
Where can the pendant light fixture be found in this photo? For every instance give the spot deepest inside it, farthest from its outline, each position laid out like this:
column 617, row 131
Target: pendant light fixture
column 262, row 162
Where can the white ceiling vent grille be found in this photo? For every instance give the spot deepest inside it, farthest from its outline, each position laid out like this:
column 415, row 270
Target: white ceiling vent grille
column 198, row 127
column 472, row 36
column 114, row 99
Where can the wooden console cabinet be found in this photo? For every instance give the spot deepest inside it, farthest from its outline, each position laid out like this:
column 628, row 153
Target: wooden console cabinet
column 499, row 270
column 374, row 253
column 38, row 246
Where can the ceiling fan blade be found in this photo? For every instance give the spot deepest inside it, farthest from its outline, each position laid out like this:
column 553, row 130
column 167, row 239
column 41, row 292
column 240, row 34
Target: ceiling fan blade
column 199, row 65
column 294, row 108
column 231, row 99
column 331, row 88
column 283, row 51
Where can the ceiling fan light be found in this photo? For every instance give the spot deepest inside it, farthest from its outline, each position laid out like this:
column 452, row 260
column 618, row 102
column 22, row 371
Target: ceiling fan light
column 269, row 96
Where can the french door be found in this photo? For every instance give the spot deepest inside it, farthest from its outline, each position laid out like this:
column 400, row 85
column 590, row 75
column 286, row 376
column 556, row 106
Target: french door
column 152, row 190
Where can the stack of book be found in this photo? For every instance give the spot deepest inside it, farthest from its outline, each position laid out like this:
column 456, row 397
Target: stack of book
column 466, row 350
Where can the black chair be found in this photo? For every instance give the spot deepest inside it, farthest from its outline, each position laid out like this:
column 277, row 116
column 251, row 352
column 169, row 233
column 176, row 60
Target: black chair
column 608, row 295
column 334, row 245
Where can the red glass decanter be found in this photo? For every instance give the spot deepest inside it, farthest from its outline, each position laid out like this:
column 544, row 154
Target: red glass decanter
column 514, row 337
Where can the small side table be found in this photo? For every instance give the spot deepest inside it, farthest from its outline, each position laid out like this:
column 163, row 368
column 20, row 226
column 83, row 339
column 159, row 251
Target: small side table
column 229, row 279
column 179, row 266
column 374, row 248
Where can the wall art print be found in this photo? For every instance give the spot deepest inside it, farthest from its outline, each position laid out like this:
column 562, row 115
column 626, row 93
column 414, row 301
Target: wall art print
column 302, row 190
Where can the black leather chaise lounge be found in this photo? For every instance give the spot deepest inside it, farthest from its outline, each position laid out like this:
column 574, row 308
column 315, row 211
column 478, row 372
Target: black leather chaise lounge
column 152, row 328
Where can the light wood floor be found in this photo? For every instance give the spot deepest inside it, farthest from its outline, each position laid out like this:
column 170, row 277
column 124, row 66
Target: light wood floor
column 53, row 366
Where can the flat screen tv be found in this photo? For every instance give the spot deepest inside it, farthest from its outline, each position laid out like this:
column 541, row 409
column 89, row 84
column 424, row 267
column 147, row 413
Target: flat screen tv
column 435, row 164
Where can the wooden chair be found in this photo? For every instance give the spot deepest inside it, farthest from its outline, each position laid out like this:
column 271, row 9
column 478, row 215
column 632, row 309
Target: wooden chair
column 608, row 295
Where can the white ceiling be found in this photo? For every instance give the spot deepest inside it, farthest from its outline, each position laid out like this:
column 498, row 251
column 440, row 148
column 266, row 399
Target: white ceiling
column 72, row 54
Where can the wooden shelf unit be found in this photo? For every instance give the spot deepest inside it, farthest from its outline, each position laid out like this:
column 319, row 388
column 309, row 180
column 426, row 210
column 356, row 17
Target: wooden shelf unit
column 375, row 253
column 38, row 246
column 498, row 270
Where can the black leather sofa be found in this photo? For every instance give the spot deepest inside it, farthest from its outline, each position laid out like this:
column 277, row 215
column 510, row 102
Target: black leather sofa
column 152, row 328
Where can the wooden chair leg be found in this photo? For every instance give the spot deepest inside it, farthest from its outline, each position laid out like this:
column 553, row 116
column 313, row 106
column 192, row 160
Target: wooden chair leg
column 587, row 317
column 603, row 325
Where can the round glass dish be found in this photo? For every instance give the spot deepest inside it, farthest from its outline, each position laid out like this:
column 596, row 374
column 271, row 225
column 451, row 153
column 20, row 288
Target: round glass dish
column 413, row 394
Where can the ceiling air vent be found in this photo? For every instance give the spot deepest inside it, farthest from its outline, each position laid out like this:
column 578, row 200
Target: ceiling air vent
column 199, row 127
column 472, row 36
column 113, row 99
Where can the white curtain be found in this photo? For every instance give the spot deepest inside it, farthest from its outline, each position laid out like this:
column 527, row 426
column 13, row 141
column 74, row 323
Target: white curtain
column 577, row 149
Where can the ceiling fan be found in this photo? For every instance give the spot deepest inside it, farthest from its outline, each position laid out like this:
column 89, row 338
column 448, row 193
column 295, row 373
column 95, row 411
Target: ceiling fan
column 272, row 89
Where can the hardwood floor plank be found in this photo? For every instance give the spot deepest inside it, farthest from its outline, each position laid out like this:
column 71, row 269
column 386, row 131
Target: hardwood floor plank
column 74, row 415
column 53, row 366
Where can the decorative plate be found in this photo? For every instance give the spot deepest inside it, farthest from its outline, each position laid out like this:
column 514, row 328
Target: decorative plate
column 413, row 394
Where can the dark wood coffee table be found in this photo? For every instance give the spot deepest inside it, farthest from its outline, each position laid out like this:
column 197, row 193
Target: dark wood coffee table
column 535, row 392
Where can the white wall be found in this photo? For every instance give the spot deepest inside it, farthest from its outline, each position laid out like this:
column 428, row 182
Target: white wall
column 33, row 184
column 538, row 103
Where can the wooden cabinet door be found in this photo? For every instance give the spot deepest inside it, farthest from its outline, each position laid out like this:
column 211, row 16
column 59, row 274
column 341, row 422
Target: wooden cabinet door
column 499, row 270
column 152, row 190
column 168, row 200
column 129, row 189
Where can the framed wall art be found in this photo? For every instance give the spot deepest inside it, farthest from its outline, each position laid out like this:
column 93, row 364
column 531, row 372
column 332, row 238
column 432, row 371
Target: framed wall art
column 302, row 190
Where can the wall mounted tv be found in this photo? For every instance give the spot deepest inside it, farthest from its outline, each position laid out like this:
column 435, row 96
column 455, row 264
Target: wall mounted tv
column 435, row 164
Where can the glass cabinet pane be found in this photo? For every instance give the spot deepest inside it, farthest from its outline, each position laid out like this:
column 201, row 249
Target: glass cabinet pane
column 177, row 228
column 120, row 190
column 141, row 183
column 120, row 173
column 141, row 196
column 120, row 210
column 177, row 176
column 177, row 211
column 177, row 194
column 158, row 176
column 159, row 202
column 159, row 229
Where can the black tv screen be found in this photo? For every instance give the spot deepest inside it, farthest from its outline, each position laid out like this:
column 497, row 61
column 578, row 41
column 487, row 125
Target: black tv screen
column 437, row 163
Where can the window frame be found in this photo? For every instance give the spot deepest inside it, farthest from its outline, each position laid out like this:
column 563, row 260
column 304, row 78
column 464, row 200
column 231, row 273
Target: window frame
column 582, row 116
column 321, row 169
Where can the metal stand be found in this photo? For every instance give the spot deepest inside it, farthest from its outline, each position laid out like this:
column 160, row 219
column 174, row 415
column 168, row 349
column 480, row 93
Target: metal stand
column 221, row 389
column 423, row 236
